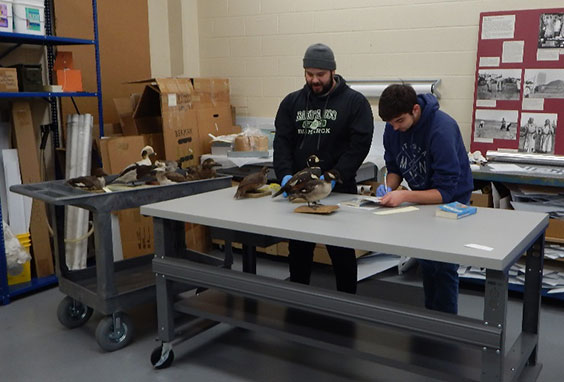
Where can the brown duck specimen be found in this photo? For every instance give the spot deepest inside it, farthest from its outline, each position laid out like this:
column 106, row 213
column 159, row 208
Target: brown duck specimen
column 206, row 170
column 315, row 189
column 162, row 176
column 312, row 170
column 94, row 182
column 252, row 182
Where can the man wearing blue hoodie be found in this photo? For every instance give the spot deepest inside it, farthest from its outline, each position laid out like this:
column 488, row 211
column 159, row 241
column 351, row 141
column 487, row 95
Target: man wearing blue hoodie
column 423, row 145
column 329, row 119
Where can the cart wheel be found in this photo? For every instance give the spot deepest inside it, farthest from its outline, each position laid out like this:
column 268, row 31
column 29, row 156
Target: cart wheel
column 160, row 360
column 72, row 313
column 110, row 337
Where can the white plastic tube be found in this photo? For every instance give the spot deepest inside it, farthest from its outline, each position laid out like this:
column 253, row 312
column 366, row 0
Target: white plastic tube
column 79, row 133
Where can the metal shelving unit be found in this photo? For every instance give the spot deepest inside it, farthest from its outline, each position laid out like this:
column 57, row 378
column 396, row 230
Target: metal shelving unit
column 49, row 41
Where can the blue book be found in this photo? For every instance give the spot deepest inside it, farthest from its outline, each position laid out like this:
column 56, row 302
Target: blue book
column 455, row 210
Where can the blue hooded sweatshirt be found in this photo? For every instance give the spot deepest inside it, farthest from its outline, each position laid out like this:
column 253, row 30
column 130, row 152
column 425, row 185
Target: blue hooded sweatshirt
column 431, row 154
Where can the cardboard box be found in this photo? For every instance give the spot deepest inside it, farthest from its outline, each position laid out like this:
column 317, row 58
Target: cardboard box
column 555, row 231
column 210, row 92
column 125, row 107
column 69, row 79
column 216, row 121
column 481, row 200
column 320, row 254
column 198, row 238
column 8, row 80
column 136, row 232
column 164, row 107
column 63, row 60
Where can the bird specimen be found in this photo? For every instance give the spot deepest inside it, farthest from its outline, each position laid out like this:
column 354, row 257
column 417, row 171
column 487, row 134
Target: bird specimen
column 251, row 183
column 148, row 156
column 312, row 170
column 163, row 176
column 315, row 189
column 206, row 170
column 94, row 182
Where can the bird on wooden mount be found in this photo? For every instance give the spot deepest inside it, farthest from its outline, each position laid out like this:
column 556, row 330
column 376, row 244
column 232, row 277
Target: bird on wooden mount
column 163, row 176
column 252, row 182
column 206, row 170
column 95, row 182
column 315, row 189
column 312, row 170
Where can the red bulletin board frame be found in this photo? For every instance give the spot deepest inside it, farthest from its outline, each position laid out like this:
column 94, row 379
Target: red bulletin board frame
column 527, row 27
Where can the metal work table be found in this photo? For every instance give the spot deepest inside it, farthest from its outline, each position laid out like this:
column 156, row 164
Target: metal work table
column 454, row 347
column 108, row 287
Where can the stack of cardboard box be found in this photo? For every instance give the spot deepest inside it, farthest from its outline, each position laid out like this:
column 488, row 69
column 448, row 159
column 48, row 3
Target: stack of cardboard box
column 174, row 115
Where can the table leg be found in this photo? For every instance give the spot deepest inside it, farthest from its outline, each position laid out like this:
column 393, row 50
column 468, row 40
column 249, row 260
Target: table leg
column 532, row 293
column 495, row 314
column 104, row 255
column 249, row 259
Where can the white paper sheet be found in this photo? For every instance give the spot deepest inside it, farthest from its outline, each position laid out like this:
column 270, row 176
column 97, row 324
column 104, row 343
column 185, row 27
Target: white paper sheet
column 374, row 263
column 533, row 104
column 498, row 27
column 513, row 51
column 509, row 167
column 489, row 62
column 548, row 54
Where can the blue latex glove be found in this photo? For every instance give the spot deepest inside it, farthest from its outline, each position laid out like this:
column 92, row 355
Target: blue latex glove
column 285, row 180
column 333, row 182
column 382, row 190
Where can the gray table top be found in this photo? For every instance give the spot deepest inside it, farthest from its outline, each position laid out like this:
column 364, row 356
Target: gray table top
column 418, row 234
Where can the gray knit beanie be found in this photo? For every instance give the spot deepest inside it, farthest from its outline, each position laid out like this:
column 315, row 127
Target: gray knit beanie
column 319, row 56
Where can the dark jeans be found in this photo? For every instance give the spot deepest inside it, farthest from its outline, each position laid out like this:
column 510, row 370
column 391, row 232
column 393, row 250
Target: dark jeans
column 300, row 258
column 440, row 284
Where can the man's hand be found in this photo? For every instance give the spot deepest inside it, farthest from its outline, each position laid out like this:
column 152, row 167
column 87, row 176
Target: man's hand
column 333, row 182
column 394, row 198
column 285, row 180
column 383, row 190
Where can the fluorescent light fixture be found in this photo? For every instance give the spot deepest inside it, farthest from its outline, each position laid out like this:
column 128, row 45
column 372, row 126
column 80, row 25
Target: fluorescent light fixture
column 374, row 88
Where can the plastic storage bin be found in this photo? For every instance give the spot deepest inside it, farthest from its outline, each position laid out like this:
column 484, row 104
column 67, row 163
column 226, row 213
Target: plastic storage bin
column 29, row 17
column 6, row 16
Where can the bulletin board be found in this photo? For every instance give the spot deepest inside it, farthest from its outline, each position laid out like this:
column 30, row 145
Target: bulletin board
column 519, row 84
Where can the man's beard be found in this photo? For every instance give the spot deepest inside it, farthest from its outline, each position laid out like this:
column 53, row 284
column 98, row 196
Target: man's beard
column 326, row 87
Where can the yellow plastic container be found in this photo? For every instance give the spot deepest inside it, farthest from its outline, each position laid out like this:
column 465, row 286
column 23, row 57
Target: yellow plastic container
column 25, row 275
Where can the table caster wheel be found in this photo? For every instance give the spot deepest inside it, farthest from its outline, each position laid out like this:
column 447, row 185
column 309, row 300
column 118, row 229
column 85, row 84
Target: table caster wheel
column 114, row 332
column 72, row 313
column 162, row 356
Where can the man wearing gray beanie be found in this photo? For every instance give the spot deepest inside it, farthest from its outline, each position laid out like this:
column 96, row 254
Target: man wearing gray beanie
column 329, row 119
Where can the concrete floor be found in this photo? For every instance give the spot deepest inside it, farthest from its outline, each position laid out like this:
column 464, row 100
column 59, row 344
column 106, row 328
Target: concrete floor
column 34, row 346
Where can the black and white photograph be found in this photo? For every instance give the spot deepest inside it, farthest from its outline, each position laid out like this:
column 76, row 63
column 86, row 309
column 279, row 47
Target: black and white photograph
column 544, row 83
column 496, row 124
column 551, row 33
column 538, row 132
column 503, row 84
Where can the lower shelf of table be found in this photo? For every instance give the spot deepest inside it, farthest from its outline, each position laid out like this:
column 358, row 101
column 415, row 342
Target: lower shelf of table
column 379, row 343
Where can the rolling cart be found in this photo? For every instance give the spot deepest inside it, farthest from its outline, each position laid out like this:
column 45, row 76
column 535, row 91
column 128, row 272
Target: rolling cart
column 108, row 287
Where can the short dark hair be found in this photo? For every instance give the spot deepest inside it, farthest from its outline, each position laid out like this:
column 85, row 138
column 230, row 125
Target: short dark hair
column 396, row 99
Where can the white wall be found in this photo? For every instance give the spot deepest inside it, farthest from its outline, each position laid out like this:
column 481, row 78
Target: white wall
column 174, row 38
column 259, row 44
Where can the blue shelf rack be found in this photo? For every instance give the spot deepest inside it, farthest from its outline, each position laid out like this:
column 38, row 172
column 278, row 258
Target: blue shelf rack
column 49, row 41
column 47, row 94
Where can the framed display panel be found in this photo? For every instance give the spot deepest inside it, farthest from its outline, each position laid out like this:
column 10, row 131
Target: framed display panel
column 519, row 83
